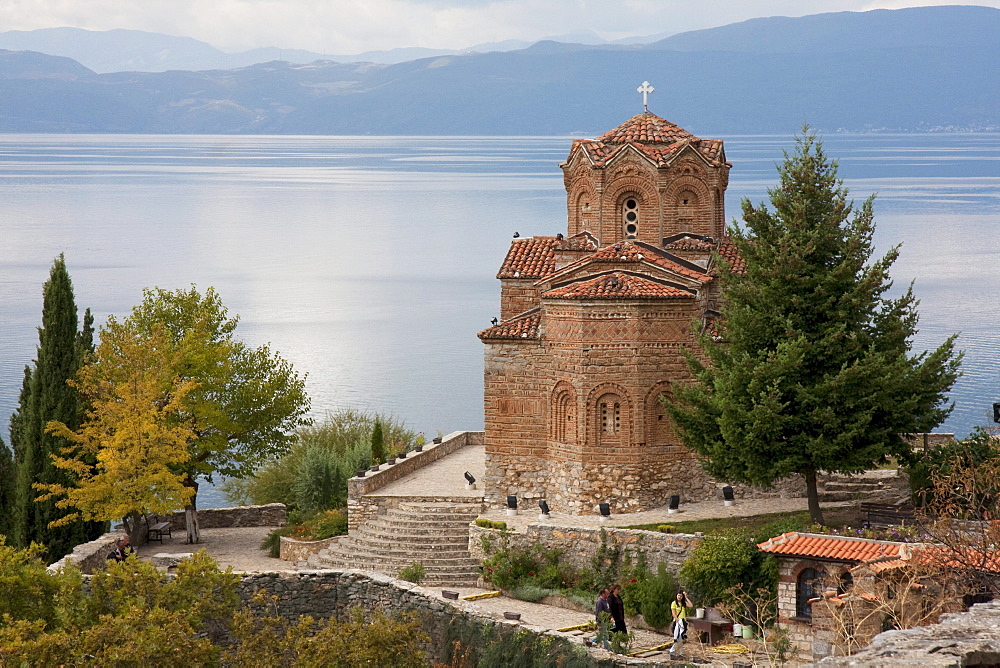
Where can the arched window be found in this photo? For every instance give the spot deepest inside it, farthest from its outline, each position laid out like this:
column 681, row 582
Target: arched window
column 630, row 216
column 808, row 586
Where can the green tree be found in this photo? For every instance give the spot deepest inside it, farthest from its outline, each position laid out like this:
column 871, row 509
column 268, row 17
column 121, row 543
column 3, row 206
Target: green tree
column 136, row 434
column 815, row 371
column 245, row 402
column 8, row 480
column 378, row 443
column 46, row 396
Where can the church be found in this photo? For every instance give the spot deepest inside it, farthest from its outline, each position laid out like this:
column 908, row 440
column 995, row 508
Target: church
column 593, row 322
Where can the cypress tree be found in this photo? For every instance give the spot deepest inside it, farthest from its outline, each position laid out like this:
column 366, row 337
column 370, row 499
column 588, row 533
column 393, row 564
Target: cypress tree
column 7, row 480
column 378, row 444
column 46, row 396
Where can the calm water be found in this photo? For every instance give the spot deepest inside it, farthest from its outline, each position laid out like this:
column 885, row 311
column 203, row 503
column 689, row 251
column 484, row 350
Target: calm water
column 369, row 262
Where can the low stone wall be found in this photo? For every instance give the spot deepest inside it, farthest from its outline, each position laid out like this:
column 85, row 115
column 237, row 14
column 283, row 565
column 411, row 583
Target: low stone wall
column 375, row 480
column 91, row 556
column 580, row 545
column 328, row 593
column 300, row 550
column 269, row 515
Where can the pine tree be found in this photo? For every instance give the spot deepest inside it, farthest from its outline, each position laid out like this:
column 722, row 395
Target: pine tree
column 46, row 396
column 815, row 371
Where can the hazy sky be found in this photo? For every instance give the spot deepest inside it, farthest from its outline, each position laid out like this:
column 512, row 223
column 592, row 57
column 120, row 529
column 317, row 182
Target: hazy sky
column 353, row 26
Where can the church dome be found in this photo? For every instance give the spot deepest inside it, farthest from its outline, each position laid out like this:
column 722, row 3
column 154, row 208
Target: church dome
column 646, row 128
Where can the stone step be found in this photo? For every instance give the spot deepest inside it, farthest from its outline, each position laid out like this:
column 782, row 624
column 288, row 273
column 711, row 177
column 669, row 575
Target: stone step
column 397, row 529
column 369, row 537
column 398, row 515
column 404, row 557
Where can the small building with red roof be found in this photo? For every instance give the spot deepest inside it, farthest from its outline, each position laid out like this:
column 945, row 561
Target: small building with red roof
column 594, row 321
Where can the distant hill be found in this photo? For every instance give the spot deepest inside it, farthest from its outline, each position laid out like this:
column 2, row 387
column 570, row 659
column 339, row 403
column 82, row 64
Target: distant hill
column 930, row 68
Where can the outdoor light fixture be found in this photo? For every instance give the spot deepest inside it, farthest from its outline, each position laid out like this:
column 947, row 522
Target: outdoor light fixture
column 727, row 496
column 605, row 509
column 511, row 505
column 544, row 507
column 996, row 412
column 470, row 481
column 675, row 501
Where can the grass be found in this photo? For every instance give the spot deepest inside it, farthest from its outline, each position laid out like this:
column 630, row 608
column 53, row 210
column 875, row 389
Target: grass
column 715, row 524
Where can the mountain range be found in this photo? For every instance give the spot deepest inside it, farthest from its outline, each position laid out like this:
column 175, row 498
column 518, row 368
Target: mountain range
column 916, row 69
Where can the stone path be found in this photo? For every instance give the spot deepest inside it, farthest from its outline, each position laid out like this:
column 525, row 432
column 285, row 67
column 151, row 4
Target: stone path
column 238, row 547
column 445, row 477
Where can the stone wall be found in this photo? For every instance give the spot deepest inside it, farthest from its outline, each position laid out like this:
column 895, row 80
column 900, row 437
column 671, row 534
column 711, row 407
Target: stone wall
column 269, row 515
column 579, row 546
column 300, row 550
column 91, row 556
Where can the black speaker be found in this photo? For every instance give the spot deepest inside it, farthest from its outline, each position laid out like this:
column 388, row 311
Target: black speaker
column 512, row 502
column 727, row 493
column 544, row 507
column 605, row 509
column 996, row 412
column 470, row 478
column 675, row 501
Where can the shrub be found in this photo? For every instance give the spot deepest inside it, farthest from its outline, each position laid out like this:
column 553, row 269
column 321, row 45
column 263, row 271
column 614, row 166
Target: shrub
column 529, row 592
column 320, row 482
column 665, row 528
column 656, row 597
column 724, row 561
column 414, row 573
column 484, row 523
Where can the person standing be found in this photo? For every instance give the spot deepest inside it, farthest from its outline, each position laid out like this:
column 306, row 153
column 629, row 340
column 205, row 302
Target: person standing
column 678, row 610
column 617, row 606
column 602, row 606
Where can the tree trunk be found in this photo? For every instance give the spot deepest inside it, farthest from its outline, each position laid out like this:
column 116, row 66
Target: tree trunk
column 191, row 513
column 133, row 526
column 815, row 512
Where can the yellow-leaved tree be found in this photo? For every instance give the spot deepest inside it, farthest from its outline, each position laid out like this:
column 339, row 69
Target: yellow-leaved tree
column 125, row 457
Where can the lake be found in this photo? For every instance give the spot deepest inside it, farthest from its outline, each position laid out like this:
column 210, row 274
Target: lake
column 369, row 262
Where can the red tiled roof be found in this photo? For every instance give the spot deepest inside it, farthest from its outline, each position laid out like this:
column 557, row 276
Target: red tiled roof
column 617, row 285
column 637, row 251
column 837, row 548
column 519, row 328
column 729, row 253
column 656, row 138
column 582, row 241
column 646, row 127
column 531, row 257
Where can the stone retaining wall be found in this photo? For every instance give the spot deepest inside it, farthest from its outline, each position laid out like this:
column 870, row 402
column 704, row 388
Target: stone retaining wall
column 328, row 593
column 91, row 556
column 300, row 550
column 269, row 515
column 579, row 545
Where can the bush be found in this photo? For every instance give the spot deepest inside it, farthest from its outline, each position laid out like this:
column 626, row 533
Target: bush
column 722, row 562
column 316, row 526
column 491, row 524
column 665, row 528
column 320, row 482
column 656, row 596
column 529, row 592
column 414, row 573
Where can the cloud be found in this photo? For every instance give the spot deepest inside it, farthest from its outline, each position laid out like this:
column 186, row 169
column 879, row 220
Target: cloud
column 353, row 26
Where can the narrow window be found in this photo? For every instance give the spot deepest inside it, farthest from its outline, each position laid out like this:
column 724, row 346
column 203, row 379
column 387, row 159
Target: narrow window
column 808, row 586
column 630, row 217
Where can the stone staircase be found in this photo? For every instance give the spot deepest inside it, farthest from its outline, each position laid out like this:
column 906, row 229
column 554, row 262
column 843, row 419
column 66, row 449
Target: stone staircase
column 433, row 534
column 878, row 486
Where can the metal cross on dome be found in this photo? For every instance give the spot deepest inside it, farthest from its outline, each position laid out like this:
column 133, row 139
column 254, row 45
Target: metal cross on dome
column 645, row 89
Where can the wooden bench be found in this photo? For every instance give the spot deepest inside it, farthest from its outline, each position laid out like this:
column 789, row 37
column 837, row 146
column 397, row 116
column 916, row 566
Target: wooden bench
column 156, row 530
column 886, row 514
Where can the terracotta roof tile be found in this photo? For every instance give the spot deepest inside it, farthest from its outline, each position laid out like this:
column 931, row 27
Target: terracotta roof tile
column 523, row 327
column 837, row 548
column 685, row 242
column 531, row 257
column 637, row 251
column 582, row 241
column 655, row 137
column 729, row 253
column 617, row 285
